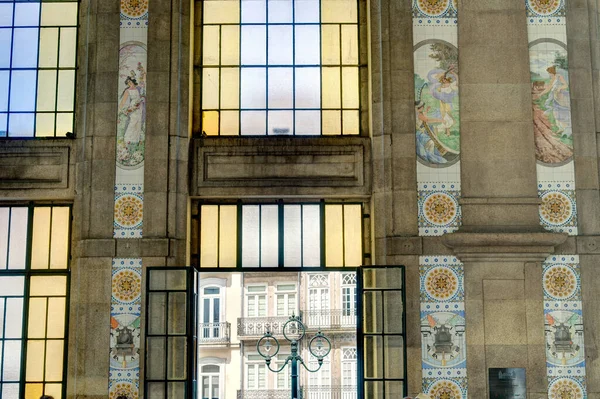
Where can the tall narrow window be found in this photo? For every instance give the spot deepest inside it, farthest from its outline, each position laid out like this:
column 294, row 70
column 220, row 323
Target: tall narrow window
column 38, row 42
column 319, row 315
column 256, row 299
column 210, row 381
column 210, row 313
column 348, row 299
column 34, row 274
column 286, row 300
column 256, row 372
column 280, row 67
column 349, row 373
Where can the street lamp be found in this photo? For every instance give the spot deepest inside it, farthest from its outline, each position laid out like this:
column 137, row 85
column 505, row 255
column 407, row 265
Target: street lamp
column 294, row 330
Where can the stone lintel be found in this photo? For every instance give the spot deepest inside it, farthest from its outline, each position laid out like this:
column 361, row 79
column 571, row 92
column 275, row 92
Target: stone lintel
column 125, row 248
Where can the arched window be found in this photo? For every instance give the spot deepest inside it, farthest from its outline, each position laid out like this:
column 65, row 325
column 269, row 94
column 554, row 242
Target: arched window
column 212, row 325
column 210, row 381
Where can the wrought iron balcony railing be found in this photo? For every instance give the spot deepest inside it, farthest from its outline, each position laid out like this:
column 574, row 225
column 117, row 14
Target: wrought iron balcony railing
column 212, row 333
column 258, row 326
column 264, row 394
column 330, row 319
column 322, row 392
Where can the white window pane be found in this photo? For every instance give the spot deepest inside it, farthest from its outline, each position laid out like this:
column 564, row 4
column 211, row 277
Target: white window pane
column 12, row 361
column 22, row 92
column 21, row 125
column 18, row 237
column 253, row 123
column 281, row 88
column 25, row 48
column 281, row 123
column 27, row 14
column 253, row 88
column 3, row 93
column 13, row 327
column 307, row 10
column 269, row 235
column 250, row 236
column 254, row 40
column 308, row 88
column 253, row 10
column 5, row 41
column 292, row 236
column 280, row 45
column 308, row 45
column 10, row 391
column 6, row 14
column 280, row 11
column 308, row 122
column 311, row 235
column 12, row 285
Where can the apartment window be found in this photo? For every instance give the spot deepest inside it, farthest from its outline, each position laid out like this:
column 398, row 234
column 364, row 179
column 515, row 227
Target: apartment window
column 280, row 234
column 210, row 312
column 38, row 42
column 287, row 304
column 256, row 300
column 256, row 372
column 210, row 381
column 279, row 67
column 348, row 294
column 34, row 278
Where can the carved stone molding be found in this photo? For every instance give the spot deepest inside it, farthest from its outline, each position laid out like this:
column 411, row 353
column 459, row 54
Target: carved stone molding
column 34, row 166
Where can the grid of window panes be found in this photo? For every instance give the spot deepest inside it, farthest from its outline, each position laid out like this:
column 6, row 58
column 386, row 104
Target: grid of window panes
column 34, row 264
column 38, row 42
column 280, row 67
column 275, row 235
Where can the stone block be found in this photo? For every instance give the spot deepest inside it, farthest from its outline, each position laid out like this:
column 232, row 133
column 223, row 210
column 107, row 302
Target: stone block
column 405, row 246
column 505, row 321
column 503, row 289
column 32, row 165
column 404, row 205
column 498, row 356
column 97, row 247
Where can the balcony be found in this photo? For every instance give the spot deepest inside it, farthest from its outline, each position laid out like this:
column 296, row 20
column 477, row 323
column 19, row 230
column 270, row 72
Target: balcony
column 258, row 326
column 264, row 394
column 214, row 333
column 323, row 392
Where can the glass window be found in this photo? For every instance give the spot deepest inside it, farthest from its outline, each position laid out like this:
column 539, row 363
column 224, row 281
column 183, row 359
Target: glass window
column 210, row 383
column 279, row 67
column 286, row 300
column 38, row 43
column 256, row 372
column 34, row 253
column 256, row 300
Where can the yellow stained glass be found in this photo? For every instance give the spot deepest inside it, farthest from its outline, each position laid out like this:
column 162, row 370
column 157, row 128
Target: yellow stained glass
column 353, row 235
column 60, row 238
column 349, row 44
column 36, row 327
column 228, row 236
column 331, row 122
column 210, row 123
column 210, row 45
column 330, row 44
column 54, row 360
column 64, row 123
column 40, row 247
column 44, row 124
column 59, row 14
column 46, row 99
column 54, row 390
column 48, row 57
column 331, row 87
column 334, row 236
column 351, row 122
column 230, row 123
column 230, row 45
column 350, row 91
column 66, row 90
column 33, row 391
column 230, row 88
column 35, row 360
column 339, row 11
column 209, row 245
column 68, row 45
column 219, row 11
column 56, row 318
column 48, row 285
column 210, row 88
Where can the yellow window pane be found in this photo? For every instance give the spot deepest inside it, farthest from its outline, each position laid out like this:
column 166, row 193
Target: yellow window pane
column 46, row 91
column 351, row 122
column 339, row 11
column 37, row 318
column 349, row 44
column 228, row 236
column 44, row 125
column 331, row 87
column 209, row 244
column 330, row 44
column 66, row 90
column 210, row 88
column 64, row 123
column 350, row 91
column 210, row 45
column 230, row 123
column 48, row 48
column 35, row 361
column 48, row 285
column 54, row 390
column 54, row 360
column 334, row 236
column 353, row 235
column 60, row 237
column 332, row 122
column 221, row 11
column 33, row 391
column 59, row 14
column 68, row 45
column 56, row 318
column 40, row 247
column 230, row 45
column 230, row 88
column 210, row 123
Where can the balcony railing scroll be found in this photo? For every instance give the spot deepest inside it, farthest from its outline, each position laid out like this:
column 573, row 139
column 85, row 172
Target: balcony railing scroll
column 329, row 319
column 264, row 394
column 321, row 392
column 259, row 326
column 212, row 333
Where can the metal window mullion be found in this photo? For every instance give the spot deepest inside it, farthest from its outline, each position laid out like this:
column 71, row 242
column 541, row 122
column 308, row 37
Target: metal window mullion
column 341, row 83
column 267, row 67
column 323, row 231
column 321, row 73
column 220, row 69
column 294, row 82
column 218, row 254
column 240, row 73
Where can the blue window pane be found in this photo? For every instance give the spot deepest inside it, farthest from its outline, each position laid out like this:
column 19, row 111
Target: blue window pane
column 308, row 45
column 22, row 92
column 307, row 10
column 25, row 48
column 254, row 11
column 21, row 125
column 6, row 14
column 4, row 91
column 27, row 14
column 5, row 38
column 280, row 11
column 3, row 127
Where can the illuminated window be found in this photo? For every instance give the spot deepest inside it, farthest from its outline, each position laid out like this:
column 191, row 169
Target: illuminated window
column 280, row 67
column 274, row 235
column 34, row 274
column 38, row 42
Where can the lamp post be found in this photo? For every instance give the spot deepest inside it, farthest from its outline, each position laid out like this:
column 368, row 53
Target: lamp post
column 294, row 330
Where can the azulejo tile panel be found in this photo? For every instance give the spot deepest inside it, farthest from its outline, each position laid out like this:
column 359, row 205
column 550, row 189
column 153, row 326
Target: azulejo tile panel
column 129, row 210
column 565, row 355
column 443, row 327
column 435, row 12
column 439, row 210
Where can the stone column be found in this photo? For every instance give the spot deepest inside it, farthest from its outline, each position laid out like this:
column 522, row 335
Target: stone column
column 501, row 242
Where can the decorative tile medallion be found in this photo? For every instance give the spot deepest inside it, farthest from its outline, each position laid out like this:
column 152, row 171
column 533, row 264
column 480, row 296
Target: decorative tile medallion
column 558, row 210
column 134, row 8
column 545, row 8
column 129, row 211
column 439, row 211
column 443, row 341
column 435, row 12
